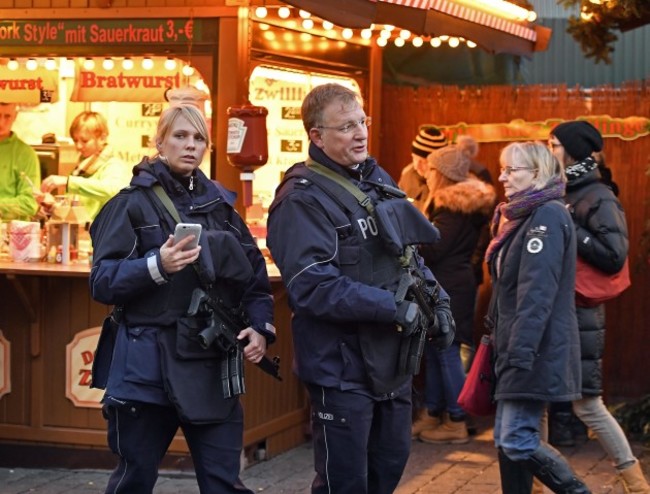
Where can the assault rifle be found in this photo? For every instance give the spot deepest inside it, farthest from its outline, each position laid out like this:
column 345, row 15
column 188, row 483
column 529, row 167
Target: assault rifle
column 425, row 295
column 225, row 324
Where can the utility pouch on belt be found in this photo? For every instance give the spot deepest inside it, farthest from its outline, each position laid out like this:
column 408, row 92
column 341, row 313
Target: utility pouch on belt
column 104, row 352
column 194, row 385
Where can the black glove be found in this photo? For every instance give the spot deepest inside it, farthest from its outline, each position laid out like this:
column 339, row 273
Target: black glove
column 407, row 317
column 444, row 328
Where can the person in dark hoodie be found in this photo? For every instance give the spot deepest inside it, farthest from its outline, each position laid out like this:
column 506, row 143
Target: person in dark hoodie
column 601, row 231
column 459, row 205
column 157, row 375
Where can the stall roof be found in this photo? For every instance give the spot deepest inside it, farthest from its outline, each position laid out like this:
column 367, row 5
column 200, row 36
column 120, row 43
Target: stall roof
column 434, row 18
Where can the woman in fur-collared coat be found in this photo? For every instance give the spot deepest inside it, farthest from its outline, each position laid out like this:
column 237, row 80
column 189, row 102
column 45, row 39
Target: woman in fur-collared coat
column 459, row 205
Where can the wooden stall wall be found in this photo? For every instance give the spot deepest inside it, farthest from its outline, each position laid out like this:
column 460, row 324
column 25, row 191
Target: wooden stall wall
column 404, row 109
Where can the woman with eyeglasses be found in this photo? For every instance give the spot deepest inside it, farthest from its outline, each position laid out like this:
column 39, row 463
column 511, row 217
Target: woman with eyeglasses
column 532, row 262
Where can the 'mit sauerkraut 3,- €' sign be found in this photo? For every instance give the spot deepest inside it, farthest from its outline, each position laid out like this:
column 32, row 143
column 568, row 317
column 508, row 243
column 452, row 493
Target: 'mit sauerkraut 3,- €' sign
column 100, row 31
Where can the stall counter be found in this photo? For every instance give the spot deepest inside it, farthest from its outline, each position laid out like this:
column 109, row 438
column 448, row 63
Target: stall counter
column 45, row 307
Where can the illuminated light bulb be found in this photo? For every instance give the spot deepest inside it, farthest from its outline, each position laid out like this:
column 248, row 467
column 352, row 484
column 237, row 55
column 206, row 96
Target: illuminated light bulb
column 127, row 64
column 532, row 16
column 399, row 42
column 12, row 64
column 435, row 42
column 306, row 37
column 108, row 64
column 347, row 33
column 67, row 68
column 454, row 42
column 50, row 64
column 88, row 64
column 340, row 44
column 188, row 70
column 287, row 36
column 382, row 42
column 147, row 63
column 328, row 26
column 417, row 42
column 444, row 38
column 201, row 85
column 31, row 64
column 284, row 12
column 269, row 35
column 264, row 27
column 261, row 12
column 384, row 34
column 366, row 33
column 170, row 63
column 388, row 27
column 405, row 34
column 304, row 14
column 471, row 44
column 586, row 16
column 308, row 23
column 597, row 2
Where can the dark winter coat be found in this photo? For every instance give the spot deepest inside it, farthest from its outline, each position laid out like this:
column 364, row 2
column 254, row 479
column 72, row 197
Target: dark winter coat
column 127, row 272
column 602, row 236
column 459, row 212
column 343, row 325
column 536, row 339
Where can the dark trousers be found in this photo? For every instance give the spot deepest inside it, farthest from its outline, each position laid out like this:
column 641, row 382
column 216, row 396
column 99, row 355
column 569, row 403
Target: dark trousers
column 140, row 435
column 361, row 443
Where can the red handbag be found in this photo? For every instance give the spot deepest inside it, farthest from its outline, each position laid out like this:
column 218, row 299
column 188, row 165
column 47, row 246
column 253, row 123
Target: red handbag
column 593, row 287
column 476, row 397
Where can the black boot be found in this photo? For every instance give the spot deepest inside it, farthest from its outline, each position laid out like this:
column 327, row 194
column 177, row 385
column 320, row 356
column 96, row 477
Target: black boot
column 560, row 429
column 515, row 477
column 549, row 466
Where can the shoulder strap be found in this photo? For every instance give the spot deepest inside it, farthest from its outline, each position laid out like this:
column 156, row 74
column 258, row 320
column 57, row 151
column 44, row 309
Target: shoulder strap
column 167, row 202
column 363, row 200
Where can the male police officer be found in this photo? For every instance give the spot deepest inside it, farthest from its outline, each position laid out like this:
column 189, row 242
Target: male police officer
column 342, row 260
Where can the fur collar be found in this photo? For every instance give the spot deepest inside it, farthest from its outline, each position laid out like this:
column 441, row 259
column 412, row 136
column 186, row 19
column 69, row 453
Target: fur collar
column 468, row 197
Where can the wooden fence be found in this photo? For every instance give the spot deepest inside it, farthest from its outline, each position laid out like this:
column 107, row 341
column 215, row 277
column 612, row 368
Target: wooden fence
column 404, row 109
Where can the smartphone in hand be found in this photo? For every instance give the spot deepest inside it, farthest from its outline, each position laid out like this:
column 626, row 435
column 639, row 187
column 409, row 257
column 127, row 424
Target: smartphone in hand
column 185, row 230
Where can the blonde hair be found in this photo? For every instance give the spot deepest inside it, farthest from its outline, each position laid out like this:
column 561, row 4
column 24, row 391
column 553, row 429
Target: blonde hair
column 189, row 112
column 536, row 156
column 93, row 122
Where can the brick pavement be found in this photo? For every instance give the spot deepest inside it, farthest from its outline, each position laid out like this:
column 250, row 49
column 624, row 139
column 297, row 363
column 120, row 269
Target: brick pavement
column 441, row 469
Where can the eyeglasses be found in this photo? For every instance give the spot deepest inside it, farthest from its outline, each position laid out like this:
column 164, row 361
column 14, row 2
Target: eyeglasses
column 507, row 170
column 350, row 126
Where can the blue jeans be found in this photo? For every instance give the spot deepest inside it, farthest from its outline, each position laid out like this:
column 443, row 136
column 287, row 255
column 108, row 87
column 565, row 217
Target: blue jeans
column 517, row 427
column 444, row 379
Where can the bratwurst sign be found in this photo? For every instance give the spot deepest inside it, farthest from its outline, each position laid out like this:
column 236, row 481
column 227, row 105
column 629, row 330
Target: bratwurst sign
column 112, row 32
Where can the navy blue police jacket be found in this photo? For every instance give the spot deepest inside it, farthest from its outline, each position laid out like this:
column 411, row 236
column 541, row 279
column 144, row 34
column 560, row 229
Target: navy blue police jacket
column 127, row 272
column 316, row 246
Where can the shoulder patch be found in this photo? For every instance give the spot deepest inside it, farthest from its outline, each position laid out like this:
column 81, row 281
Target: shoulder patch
column 535, row 245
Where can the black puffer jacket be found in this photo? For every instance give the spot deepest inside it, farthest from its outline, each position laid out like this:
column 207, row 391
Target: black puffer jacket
column 601, row 232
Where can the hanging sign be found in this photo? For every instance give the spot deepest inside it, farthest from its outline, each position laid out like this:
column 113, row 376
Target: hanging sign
column 135, row 85
column 79, row 356
column 42, row 32
column 28, row 86
column 627, row 129
column 5, row 366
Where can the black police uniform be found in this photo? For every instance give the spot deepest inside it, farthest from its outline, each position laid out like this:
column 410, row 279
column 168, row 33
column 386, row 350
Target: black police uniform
column 150, row 392
column 341, row 280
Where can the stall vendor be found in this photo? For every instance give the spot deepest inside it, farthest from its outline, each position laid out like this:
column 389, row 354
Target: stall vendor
column 99, row 175
column 19, row 170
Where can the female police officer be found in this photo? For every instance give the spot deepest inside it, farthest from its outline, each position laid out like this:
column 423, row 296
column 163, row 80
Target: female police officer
column 156, row 375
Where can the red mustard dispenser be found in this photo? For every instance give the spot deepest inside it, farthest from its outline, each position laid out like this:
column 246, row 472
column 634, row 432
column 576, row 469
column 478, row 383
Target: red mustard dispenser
column 248, row 147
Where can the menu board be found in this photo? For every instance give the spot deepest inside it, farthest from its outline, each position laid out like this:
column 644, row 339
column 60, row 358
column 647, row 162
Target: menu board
column 282, row 92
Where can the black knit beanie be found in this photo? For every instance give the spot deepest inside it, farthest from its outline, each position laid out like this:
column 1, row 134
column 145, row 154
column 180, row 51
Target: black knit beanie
column 578, row 138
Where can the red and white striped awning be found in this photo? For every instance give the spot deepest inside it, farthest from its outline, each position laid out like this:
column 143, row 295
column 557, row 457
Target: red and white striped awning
column 434, row 18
